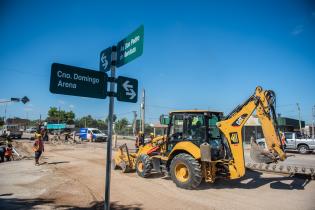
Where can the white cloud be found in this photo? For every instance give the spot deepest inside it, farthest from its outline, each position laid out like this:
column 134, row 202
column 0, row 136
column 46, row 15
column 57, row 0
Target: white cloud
column 297, row 30
column 71, row 106
column 61, row 102
column 28, row 109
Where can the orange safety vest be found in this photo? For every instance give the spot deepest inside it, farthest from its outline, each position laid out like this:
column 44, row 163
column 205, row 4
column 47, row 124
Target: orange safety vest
column 283, row 140
column 8, row 152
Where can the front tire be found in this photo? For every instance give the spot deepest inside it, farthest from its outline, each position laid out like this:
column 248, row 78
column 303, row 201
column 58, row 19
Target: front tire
column 185, row 171
column 303, row 149
column 143, row 166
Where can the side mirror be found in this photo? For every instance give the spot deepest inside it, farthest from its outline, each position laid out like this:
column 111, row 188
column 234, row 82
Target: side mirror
column 164, row 120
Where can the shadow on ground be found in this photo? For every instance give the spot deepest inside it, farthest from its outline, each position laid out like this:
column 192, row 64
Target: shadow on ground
column 100, row 205
column 58, row 162
column 254, row 179
column 25, row 204
column 21, row 204
column 251, row 180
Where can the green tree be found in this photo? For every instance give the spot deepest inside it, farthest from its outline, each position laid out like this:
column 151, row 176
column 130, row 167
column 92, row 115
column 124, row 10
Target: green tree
column 121, row 125
column 53, row 112
column 1, row 121
column 148, row 129
column 55, row 115
column 70, row 117
column 114, row 119
column 89, row 121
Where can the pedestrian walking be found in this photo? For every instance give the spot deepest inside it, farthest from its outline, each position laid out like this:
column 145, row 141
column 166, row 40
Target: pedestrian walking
column 38, row 148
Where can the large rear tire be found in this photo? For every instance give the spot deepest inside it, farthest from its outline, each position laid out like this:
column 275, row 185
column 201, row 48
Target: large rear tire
column 143, row 166
column 185, row 171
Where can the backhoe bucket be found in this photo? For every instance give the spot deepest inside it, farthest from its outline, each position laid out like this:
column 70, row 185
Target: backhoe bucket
column 261, row 155
column 123, row 159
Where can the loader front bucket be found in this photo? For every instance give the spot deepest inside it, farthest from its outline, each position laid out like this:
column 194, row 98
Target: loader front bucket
column 123, row 159
column 261, row 155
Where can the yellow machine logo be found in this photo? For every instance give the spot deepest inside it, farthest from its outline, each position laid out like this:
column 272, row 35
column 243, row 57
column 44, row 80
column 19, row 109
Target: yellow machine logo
column 234, row 138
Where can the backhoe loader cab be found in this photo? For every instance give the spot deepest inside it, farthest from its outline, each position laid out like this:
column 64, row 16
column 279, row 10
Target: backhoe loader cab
column 195, row 126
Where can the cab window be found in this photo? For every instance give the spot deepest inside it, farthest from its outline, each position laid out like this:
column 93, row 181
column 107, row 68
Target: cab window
column 288, row 135
column 214, row 132
column 177, row 127
column 196, row 128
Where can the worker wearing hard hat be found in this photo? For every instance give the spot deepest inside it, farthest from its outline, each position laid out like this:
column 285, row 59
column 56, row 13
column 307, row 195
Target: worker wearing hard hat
column 151, row 136
column 38, row 147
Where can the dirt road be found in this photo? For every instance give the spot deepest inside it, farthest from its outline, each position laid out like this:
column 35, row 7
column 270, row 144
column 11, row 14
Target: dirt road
column 72, row 177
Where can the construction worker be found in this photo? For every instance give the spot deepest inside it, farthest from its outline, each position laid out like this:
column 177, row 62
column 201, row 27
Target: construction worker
column 283, row 140
column 139, row 140
column 38, row 148
column 90, row 136
column 8, row 153
column 151, row 137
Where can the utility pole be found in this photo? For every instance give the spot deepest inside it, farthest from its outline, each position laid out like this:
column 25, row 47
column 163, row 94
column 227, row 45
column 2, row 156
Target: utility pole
column 5, row 113
column 143, row 111
column 58, row 114
column 313, row 135
column 110, row 130
column 134, row 127
column 298, row 107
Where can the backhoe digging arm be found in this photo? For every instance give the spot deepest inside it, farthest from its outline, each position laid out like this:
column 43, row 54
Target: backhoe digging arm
column 231, row 127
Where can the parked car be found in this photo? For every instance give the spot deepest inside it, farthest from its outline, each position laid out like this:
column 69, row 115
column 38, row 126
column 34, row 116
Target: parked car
column 97, row 135
column 12, row 130
column 294, row 141
column 31, row 130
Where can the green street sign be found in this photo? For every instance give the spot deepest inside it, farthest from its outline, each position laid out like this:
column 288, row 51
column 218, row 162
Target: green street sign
column 127, row 89
column 75, row 81
column 131, row 47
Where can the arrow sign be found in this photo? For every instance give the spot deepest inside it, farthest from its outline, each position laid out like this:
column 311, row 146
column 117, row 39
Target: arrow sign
column 127, row 89
column 105, row 59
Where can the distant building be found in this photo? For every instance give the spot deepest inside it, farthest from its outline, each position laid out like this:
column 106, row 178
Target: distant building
column 159, row 129
column 22, row 123
column 288, row 124
column 308, row 130
column 253, row 128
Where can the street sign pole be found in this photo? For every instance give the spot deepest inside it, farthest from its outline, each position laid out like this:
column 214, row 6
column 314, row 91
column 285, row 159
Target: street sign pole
column 110, row 130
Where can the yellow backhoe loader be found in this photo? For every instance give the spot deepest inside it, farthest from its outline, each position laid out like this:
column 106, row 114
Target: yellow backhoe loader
column 204, row 145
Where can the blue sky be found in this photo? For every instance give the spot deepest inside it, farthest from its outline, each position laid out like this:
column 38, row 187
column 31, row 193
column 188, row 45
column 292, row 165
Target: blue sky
column 197, row 54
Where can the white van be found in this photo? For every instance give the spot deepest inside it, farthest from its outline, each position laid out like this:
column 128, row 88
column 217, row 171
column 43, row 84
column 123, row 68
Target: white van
column 94, row 133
